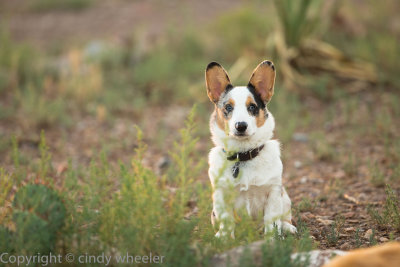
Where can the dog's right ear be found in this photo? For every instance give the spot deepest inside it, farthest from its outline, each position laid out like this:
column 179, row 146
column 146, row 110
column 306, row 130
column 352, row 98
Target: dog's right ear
column 217, row 81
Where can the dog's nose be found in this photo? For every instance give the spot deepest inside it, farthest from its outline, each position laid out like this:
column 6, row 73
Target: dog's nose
column 241, row 126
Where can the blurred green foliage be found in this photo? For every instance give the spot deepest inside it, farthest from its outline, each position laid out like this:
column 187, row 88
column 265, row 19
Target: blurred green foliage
column 49, row 5
column 101, row 207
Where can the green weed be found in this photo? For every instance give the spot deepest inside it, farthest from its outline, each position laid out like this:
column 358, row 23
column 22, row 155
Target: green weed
column 357, row 238
column 245, row 31
column 390, row 217
column 351, row 165
column 306, row 205
column 377, row 175
column 298, row 19
column 323, row 149
column 333, row 235
column 129, row 209
column 48, row 5
column 278, row 254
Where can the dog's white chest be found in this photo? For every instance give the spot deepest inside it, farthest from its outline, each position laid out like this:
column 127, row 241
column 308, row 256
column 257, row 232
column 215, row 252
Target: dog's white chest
column 265, row 169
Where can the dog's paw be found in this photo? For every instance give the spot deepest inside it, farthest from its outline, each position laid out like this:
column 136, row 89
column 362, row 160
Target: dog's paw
column 270, row 227
column 221, row 234
column 289, row 227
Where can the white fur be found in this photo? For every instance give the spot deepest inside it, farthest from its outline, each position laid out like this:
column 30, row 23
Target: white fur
column 258, row 188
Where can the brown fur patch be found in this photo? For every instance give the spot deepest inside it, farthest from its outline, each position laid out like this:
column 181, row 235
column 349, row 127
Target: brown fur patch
column 249, row 101
column 220, row 118
column 231, row 102
column 260, row 118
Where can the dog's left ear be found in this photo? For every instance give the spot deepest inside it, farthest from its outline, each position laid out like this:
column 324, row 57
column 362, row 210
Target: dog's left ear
column 263, row 79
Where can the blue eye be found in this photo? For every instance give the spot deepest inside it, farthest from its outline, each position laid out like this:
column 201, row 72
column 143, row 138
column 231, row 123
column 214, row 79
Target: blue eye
column 252, row 108
column 228, row 108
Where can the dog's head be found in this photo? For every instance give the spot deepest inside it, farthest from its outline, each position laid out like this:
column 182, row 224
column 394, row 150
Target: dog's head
column 241, row 114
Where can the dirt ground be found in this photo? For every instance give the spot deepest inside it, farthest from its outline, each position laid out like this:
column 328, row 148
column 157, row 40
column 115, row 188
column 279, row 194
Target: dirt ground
column 115, row 20
column 337, row 196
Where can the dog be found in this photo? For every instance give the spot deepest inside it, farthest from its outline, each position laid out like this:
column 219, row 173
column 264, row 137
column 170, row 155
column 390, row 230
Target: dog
column 245, row 163
column 386, row 255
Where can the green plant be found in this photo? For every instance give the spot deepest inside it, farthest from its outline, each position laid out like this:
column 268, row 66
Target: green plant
column 5, row 186
column 306, row 205
column 6, row 239
column 372, row 239
column 17, row 63
column 357, row 238
column 244, row 30
column 277, row 253
column 333, row 234
column 299, row 19
column 390, row 217
column 351, row 164
column 48, row 5
column 42, row 201
column 32, row 235
column 377, row 175
column 38, row 215
column 324, row 150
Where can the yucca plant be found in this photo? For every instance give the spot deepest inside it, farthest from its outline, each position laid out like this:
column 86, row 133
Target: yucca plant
column 301, row 51
column 298, row 19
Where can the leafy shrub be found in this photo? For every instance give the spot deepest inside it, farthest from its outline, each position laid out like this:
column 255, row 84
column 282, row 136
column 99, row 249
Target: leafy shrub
column 390, row 217
column 33, row 234
column 43, row 202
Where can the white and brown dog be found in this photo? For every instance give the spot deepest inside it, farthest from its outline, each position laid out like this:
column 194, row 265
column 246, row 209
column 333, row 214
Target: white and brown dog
column 245, row 162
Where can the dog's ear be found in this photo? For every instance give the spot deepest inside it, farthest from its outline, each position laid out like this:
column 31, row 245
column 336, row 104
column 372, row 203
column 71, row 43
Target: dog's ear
column 217, row 81
column 263, row 79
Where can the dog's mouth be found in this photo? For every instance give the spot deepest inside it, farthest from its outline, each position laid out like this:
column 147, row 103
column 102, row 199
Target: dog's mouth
column 241, row 135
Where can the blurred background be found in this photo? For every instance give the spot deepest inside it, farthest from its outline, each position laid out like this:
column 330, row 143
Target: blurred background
column 85, row 72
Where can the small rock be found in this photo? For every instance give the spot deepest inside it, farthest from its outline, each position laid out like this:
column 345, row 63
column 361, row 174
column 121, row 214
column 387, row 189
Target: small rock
column 383, row 239
column 303, row 180
column 297, row 164
column 368, row 234
column 300, row 137
column 362, row 197
column 163, row 163
column 345, row 246
column 348, row 214
column 325, row 222
column 349, row 229
column 397, row 239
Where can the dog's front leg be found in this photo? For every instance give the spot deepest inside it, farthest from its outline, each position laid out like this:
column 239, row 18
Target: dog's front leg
column 223, row 214
column 273, row 209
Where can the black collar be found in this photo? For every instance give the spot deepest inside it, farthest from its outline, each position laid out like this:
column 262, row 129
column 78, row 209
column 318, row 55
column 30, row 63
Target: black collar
column 245, row 156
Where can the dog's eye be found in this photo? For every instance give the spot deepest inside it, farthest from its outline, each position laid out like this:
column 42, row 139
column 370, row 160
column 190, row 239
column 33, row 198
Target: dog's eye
column 228, row 108
column 252, row 108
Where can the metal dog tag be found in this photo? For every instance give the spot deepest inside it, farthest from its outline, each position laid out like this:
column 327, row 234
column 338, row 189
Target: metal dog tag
column 235, row 169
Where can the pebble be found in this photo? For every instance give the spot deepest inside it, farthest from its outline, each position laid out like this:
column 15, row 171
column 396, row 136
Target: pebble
column 368, row 234
column 383, row 239
column 345, row 246
column 297, row 164
column 325, row 222
column 362, row 196
column 300, row 137
column 163, row 163
column 303, row 179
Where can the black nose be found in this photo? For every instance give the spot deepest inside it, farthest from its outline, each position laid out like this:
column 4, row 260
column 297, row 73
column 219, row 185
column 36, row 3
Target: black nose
column 241, row 126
